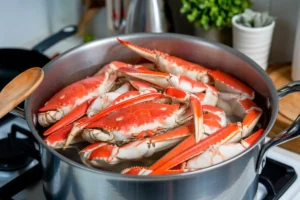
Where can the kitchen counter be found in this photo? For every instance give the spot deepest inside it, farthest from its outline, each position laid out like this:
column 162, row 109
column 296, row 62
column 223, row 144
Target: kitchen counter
column 283, row 119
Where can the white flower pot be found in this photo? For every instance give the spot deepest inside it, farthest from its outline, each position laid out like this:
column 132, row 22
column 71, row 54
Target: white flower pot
column 253, row 42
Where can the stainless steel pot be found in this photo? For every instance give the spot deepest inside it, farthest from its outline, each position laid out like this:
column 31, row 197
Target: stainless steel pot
column 236, row 178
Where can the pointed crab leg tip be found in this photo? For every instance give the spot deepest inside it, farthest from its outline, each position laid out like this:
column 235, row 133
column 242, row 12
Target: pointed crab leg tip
column 254, row 137
column 189, row 149
column 122, row 41
column 74, row 132
column 198, row 117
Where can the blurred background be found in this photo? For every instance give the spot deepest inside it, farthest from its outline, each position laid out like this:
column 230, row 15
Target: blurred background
column 25, row 23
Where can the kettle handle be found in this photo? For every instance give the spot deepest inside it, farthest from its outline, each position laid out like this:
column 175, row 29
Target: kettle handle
column 288, row 134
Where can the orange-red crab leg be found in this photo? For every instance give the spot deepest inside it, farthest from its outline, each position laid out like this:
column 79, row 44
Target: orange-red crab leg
column 58, row 138
column 216, row 154
column 141, row 86
column 73, row 95
column 70, row 117
column 142, row 98
column 227, row 83
column 174, row 84
column 189, row 148
column 198, row 117
column 165, row 80
column 171, row 64
column 116, row 65
column 212, row 156
column 177, row 66
column 108, row 154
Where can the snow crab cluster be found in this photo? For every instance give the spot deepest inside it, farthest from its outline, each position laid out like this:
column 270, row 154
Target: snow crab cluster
column 130, row 112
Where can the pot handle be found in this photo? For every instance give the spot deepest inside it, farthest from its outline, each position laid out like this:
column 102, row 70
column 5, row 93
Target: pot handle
column 286, row 135
column 53, row 39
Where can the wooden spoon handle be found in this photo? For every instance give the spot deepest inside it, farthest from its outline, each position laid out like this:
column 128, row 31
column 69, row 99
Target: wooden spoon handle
column 19, row 89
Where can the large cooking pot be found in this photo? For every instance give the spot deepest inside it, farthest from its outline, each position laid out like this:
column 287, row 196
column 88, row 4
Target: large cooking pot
column 236, row 178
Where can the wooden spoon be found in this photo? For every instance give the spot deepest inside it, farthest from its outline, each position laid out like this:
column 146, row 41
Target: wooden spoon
column 19, row 89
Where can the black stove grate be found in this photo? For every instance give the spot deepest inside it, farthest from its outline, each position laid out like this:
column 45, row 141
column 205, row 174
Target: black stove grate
column 16, row 153
column 277, row 178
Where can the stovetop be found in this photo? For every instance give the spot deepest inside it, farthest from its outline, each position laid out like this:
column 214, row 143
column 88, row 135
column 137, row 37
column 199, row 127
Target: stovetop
column 278, row 180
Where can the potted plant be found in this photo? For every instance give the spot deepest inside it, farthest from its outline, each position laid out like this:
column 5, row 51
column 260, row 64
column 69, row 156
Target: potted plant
column 252, row 35
column 212, row 18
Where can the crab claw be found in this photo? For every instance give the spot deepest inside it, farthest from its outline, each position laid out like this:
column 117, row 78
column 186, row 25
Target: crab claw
column 74, row 95
column 89, row 107
column 227, row 83
column 189, row 148
column 170, row 64
column 58, row 138
column 70, row 117
column 107, row 154
column 77, row 128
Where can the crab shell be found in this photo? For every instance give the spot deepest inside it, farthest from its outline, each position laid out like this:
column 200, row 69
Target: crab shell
column 136, row 121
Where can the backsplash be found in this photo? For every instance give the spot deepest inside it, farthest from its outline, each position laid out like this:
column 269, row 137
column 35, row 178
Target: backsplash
column 23, row 24
column 285, row 29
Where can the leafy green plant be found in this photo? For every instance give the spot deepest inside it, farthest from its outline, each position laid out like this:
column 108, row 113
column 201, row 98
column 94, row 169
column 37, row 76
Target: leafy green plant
column 251, row 18
column 213, row 13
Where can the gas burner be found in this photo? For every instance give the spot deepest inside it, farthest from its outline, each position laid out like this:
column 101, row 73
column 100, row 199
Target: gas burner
column 13, row 153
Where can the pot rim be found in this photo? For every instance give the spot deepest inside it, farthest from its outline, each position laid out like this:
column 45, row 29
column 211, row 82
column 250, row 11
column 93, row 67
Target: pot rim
column 112, row 175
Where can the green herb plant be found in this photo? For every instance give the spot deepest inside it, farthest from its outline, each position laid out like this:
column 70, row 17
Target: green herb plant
column 213, row 13
column 254, row 19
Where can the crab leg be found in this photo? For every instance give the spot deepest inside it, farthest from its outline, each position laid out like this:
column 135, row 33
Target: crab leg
column 70, row 117
column 177, row 66
column 58, row 138
column 198, row 117
column 142, row 87
column 106, row 155
column 167, row 63
column 165, row 80
column 216, row 154
column 73, row 95
column 176, row 85
column 79, row 126
column 212, row 156
column 116, row 65
column 189, row 148
column 227, row 83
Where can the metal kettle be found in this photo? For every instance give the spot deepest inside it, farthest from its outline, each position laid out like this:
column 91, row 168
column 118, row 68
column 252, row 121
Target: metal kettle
column 133, row 16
